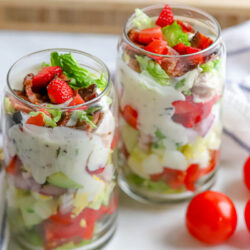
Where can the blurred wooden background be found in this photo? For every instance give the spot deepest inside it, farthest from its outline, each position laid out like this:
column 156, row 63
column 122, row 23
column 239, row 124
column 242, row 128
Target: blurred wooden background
column 102, row 16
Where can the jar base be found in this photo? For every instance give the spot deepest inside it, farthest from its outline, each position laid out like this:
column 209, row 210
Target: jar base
column 147, row 197
column 100, row 240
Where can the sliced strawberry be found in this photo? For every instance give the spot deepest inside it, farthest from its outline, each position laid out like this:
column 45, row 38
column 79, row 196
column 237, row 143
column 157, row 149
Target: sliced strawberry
column 166, row 17
column 45, row 76
column 157, row 47
column 201, row 41
column 185, row 26
column 148, row 35
column 59, row 91
column 38, row 120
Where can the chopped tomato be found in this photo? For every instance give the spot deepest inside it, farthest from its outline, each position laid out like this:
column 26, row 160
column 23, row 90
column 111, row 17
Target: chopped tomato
column 38, row 119
column 174, row 178
column 157, row 47
column 189, row 113
column 185, row 26
column 62, row 218
column 196, row 59
column 77, row 100
column 180, row 48
column 115, row 140
column 13, row 166
column 194, row 172
column 201, row 41
column 95, row 172
column 130, row 115
column 148, row 35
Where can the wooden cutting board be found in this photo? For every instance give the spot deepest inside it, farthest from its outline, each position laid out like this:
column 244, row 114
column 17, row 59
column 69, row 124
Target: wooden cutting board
column 101, row 16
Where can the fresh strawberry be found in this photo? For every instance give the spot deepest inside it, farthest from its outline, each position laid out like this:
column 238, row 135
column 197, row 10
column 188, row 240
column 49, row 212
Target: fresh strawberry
column 45, row 76
column 157, row 47
column 200, row 41
column 166, row 17
column 148, row 35
column 59, row 91
column 38, row 119
column 185, row 27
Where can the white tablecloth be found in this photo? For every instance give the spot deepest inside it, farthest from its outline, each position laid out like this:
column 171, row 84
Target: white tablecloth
column 143, row 227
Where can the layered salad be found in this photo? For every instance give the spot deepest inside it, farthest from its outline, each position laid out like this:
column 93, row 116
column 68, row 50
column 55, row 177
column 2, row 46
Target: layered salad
column 59, row 140
column 170, row 82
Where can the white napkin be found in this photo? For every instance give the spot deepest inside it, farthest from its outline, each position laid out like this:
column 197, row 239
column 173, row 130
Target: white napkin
column 236, row 105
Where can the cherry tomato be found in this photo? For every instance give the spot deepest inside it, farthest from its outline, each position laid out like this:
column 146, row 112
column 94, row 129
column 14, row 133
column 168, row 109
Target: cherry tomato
column 247, row 215
column 211, row 217
column 247, row 173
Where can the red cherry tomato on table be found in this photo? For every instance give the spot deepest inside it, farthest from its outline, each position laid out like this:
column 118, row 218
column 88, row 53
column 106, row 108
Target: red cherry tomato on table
column 211, row 217
column 247, row 215
column 247, row 173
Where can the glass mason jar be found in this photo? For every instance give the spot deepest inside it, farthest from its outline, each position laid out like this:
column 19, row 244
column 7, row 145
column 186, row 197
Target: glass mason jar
column 60, row 179
column 170, row 123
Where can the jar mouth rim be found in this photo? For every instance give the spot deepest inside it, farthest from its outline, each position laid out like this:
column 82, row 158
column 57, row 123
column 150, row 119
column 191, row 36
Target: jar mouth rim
column 53, row 106
column 179, row 6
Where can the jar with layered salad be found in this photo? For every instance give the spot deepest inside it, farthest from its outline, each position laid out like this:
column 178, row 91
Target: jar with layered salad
column 169, row 79
column 59, row 124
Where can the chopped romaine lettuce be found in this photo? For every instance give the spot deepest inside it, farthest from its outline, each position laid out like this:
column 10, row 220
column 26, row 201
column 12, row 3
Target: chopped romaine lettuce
column 180, row 84
column 56, row 113
column 79, row 77
column 209, row 66
column 8, row 106
column 142, row 21
column 154, row 186
column 173, row 34
column 154, row 70
column 83, row 116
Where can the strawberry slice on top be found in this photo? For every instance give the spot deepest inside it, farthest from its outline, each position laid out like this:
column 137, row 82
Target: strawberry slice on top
column 44, row 76
column 166, row 17
column 59, row 91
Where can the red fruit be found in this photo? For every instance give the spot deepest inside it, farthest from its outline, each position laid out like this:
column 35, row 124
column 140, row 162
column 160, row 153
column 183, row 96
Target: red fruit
column 157, row 47
column 185, row 26
column 45, row 76
column 115, row 140
column 180, row 48
column 13, row 166
column 247, row 215
column 246, row 173
column 148, row 35
column 166, row 17
column 174, row 178
column 200, row 41
column 38, row 120
column 59, row 91
column 95, row 172
column 130, row 115
column 211, row 217
column 77, row 100
column 189, row 113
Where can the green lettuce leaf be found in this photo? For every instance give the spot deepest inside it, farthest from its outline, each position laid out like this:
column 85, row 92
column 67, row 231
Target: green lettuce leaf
column 154, row 70
column 56, row 114
column 209, row 66
column 82, row 115
column 173, row 34
column 79, row 77
column 142, row 21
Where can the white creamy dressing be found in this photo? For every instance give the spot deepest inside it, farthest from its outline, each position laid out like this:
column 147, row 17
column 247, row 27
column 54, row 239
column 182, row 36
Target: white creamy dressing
column 153, row 103
column 45, row 151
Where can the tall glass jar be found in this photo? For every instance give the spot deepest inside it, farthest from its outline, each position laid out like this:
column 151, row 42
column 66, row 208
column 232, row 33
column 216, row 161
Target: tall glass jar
column 170, row 123
column 60, row 177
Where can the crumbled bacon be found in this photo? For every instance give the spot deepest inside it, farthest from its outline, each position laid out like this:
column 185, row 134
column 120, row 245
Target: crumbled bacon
column 89, row 93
